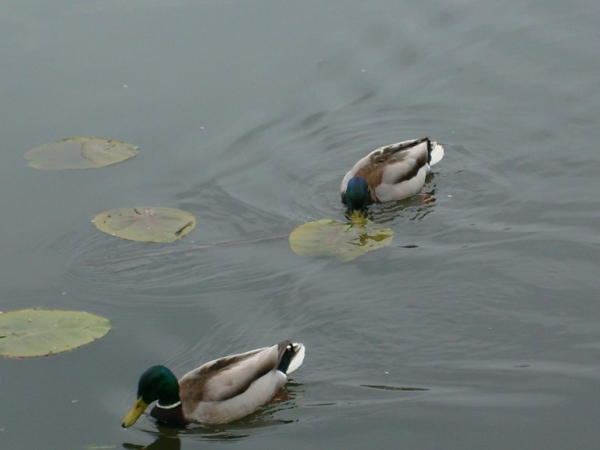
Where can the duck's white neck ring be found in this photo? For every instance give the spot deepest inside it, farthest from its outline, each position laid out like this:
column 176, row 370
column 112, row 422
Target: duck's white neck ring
column 174, row 405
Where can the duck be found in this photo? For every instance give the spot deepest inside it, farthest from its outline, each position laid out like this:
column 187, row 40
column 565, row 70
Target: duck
column 389, row 173
column 218, row 391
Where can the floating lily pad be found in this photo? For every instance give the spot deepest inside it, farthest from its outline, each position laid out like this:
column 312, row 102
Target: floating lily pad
column 146, row 224
column 80, row 153
column 39, row 332
column 345, row 241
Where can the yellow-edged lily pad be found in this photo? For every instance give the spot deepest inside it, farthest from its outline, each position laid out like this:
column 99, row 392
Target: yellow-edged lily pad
column 40, row 332
column 146, row 224
column 345, row 241
column 80, row 153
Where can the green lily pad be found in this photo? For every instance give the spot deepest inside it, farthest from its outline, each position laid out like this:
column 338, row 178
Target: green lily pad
column 40, row 332
column 345, row 241
column 80, row 153
column 146, row 224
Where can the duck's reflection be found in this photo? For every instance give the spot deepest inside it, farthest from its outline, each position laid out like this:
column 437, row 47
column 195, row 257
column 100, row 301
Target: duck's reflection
column 167, row 440
column 412, row 208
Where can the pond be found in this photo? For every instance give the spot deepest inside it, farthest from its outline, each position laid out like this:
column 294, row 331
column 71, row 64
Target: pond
column 478, row 327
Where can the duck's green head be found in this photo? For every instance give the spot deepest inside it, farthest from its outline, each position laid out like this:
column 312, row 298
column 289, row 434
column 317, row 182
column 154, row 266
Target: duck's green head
column 156, row 383
column 357, row 196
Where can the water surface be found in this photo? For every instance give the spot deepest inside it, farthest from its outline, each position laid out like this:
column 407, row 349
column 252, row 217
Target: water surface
column 478, row 327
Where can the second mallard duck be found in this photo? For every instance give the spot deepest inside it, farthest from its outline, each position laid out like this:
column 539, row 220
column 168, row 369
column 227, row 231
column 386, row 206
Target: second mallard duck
column 390, row 173
column 219, row 391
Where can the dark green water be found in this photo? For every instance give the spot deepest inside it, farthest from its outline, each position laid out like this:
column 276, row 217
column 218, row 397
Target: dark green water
column 478, row 328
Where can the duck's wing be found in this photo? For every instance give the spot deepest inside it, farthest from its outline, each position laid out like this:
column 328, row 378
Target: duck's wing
column 225, row 378
column 404, row 161
column 418, row 148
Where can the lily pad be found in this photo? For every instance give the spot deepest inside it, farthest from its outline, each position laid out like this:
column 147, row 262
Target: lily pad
column 146, row 224
column 40, row 332
column 345, row 241
column 80, row 153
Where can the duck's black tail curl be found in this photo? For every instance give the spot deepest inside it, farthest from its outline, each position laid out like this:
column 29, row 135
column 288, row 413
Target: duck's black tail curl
column 292, row 358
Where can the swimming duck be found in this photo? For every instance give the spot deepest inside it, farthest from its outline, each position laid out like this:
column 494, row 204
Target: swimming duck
column 389, row 173
column 219, row 391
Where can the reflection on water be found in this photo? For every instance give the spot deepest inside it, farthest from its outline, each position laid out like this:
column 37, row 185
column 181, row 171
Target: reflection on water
column 164, row 439
column 414, row 208
column 392, row 388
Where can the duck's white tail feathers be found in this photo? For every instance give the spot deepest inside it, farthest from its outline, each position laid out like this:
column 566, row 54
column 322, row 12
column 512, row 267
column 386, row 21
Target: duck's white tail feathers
column 297, row 358
column 437, row 153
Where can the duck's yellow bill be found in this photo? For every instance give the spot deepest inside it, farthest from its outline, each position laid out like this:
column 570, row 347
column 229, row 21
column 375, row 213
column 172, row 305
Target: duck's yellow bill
column 357, row 217
column 138, row 408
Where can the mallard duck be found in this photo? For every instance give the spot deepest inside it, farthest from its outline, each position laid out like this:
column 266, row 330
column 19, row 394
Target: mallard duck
column 219, row 391
column 389, row 173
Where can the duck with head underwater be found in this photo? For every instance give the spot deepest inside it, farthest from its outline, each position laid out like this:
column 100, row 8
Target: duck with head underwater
column 389, row 173
column 219, row 391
